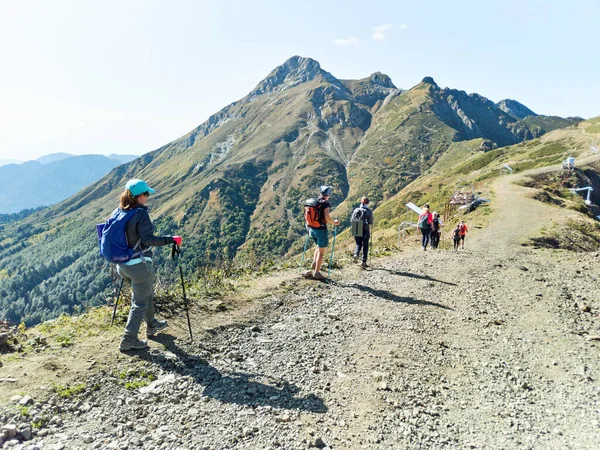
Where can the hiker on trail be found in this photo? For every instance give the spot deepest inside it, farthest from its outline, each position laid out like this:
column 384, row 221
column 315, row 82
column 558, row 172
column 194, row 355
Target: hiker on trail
column 463, row 232
column 317, row 217
column 436, row 230
column 424, row 224
column 456, row 237
column 139, row 271
column 362, row 218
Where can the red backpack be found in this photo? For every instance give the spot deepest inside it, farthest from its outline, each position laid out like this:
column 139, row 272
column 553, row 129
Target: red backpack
column 314, row 214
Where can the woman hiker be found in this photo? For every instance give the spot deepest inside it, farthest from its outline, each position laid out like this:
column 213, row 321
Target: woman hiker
column 463, row 232
column 317, row 230
column 436, row 230
column 424, row 224
column 456, row 237
column 139, row 271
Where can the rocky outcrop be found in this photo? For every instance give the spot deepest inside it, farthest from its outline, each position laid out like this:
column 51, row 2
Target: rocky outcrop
column 515, row 109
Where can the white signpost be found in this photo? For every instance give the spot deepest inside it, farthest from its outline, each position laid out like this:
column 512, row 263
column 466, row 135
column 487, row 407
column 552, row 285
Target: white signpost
column 415, row 208
column 410, row 224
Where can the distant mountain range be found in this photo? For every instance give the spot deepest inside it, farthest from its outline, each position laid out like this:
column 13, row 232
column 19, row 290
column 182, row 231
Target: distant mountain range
column 51, row 178
column 52, row 157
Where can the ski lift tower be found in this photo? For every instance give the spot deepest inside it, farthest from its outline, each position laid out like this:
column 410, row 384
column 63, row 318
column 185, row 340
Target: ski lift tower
column 569, row 163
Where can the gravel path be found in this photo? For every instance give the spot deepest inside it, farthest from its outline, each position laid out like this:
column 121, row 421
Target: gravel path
column 491, row 347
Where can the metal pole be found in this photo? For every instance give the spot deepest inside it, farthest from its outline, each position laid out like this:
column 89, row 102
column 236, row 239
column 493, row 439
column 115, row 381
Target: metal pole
column 371, row 243
column 185, row 303
column 332, row 251
column 114, row 314
column 177, row 250
column 304, row 252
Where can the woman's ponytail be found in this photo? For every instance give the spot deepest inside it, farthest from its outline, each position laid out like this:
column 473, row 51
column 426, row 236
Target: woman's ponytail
column 128, row 201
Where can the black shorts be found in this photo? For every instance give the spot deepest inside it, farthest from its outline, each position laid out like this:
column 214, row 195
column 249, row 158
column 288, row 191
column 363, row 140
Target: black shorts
column 462, row 238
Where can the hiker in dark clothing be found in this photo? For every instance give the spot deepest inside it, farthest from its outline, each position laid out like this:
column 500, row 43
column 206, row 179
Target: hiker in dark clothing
column 456, row 237
column 139, row 271
column 317, row 217
column 424, row 224
column 436, row 230
column 363, row 214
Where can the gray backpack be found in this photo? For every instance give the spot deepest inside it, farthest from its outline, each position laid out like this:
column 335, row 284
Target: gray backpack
column 357, row 222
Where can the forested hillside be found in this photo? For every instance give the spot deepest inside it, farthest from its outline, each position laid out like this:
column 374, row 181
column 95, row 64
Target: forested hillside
column 236, row 184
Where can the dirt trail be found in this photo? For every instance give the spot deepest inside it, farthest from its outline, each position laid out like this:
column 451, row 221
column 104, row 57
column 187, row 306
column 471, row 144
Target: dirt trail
column 482, row 348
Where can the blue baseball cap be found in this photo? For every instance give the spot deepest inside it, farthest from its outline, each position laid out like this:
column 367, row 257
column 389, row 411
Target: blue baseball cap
column 138, row 187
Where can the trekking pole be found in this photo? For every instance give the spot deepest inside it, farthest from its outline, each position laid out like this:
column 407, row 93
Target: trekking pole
column 332, row 251
column 304, row 252
column 371, row 245
column 177, row 250
column 114, row 314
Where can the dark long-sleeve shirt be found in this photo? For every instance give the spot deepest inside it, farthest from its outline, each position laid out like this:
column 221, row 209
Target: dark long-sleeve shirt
column 140, row 227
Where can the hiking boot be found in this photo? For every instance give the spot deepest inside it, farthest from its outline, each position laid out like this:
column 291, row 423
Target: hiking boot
column 364, row 265
column 355, row 259
column 157, row 325
column 319, row 276
column 308, row 274
column 129, row 343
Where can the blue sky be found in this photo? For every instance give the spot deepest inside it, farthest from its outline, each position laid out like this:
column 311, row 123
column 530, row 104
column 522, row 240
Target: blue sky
column 130, row 76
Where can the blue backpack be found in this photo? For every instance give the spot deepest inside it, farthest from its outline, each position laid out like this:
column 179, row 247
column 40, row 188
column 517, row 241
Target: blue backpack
column 112, row 238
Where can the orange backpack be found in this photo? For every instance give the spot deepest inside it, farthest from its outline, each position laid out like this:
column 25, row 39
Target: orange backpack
column 313, row 213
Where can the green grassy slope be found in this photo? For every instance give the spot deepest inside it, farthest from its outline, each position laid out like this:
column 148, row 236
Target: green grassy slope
column 235, row 185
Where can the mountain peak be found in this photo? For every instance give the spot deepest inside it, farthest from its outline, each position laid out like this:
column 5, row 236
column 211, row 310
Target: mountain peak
column 514, row 108
column 383, row 80
column 295, row 70
column 429, row 80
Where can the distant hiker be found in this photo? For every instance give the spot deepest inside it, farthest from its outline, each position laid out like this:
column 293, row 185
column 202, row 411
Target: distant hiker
column 424, row 224
column 456, row 237
column 436, row 230
column 463, row 232
column 362, row 218
column 316, row 215
column 139, row 270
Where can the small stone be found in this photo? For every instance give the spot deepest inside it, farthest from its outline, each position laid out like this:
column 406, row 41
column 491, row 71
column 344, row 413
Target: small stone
column 26, row 401
column 316, row 442
column 26, row 433
column 584, row 307
column 15, row 399
column 255, row 329
column 383, row 386
column 10, row 431
column 284, row 418
column 193, row 412
column 56, row 421
column 88, row 439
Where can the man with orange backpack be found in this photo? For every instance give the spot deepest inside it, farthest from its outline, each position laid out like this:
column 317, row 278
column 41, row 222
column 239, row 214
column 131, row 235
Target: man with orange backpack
column 316, row 216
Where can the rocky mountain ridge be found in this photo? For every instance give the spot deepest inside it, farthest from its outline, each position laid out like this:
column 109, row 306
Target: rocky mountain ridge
column 235, row 185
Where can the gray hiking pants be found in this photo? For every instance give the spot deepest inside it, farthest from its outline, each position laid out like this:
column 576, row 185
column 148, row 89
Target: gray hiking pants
column 141, row 279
